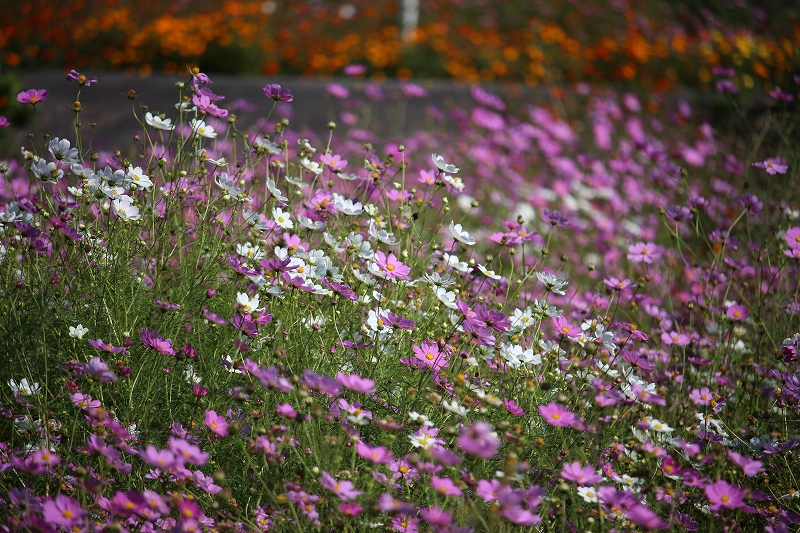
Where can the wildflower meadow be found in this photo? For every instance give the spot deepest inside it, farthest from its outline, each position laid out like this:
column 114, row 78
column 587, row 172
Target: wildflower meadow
column 569, row 315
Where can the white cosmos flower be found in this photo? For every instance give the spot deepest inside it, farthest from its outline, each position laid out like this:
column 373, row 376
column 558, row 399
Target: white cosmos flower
column 489, row 273
column 158, row 122
column 448, row 298
column 460, row 234
column 311, row 166
column 138, row 177
column 313, row 225
column 123, row 207
column 248, row 305
column 442, row 165
column 454, row 407
column 254, row 253
column 204, row 130
column 282, row 218
column 78, row 331
column 24, row 387
column 346, row 206
column 276, row 192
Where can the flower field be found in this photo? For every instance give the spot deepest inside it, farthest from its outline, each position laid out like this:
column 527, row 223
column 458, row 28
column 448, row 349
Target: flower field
column 573, row 316
column 656, row 45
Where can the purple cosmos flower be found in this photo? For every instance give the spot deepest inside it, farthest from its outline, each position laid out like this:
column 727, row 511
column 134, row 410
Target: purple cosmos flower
column 106, row 347
column 582, row 475
column 82, row 80
column 98, row 368
column 32, row 96
column 151, row 339
column 63, row 511
column 340, row 288
column 278, row 93
column 286, row 409
column 187, row 452
column 479, row 439
column 322, row 383
column 4, row 122
column 751, row 203
column 393, row 320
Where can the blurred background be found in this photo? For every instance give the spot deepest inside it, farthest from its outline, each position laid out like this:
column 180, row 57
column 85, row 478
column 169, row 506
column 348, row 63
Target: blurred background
column 654, row 46
column 657, row 44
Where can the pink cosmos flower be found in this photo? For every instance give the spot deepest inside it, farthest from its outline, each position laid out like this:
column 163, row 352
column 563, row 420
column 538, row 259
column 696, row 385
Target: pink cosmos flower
column 736, row 312
column 674, row 338
column 187, row 452
column 162, row 459
column 488, row 489
column 582, row 475
column 512, row 407
column 701, row 396
column 350, row 509
column 479, row 439
column 723, row 494
column 216, row 423
column 390, row 267
column 565, row 328
column 405, row 524
column 555, row 415
column 792, row 238
column 356, row 383
column 436, row 516
column 642, row 252
column 286, row 409
column 428, row 353
column 445, row 486
column 344, row 490
column 334, row 162
column 32, row 96
column 772, row 166
column 4, row 122
column 376, row 454
column 749, row 466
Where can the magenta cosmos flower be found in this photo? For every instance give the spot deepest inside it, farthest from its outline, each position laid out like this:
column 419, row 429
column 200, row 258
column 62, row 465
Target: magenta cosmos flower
column 152, row 340
column 390, row 267
column 555, row 415
column 32, row 96
column 63, row 511
column 278, row 93
column 644, row 252
column 4, row 122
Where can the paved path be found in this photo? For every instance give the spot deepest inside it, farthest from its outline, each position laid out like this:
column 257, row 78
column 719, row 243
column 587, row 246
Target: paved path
column 313, row 107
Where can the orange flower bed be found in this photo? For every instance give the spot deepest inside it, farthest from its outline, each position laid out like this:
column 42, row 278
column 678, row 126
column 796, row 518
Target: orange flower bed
column 516, row 41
